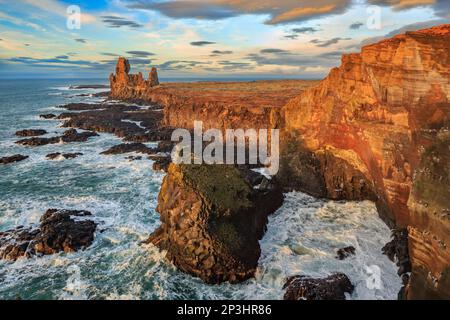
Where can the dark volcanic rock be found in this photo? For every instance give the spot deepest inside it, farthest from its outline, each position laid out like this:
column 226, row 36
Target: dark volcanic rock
column 48, row 116
column 333, row 287
column 125, row 121
column 58, row 231
column 30, row 132
column 71, row 135
column 212, row 219
column 55, row 155
column 161, row 163
column 134, row 158
column 398, row 252
column 11, row 159
column 346, row 252
column 129, row 147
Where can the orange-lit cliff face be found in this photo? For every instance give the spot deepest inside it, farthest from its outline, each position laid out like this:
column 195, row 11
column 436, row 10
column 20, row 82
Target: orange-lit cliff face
column 378, row 127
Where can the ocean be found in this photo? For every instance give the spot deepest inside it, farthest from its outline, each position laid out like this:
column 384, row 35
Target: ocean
column 302, row 238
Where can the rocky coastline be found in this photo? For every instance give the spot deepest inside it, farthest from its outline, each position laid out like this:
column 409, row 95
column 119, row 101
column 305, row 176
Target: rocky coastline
column 377, row 128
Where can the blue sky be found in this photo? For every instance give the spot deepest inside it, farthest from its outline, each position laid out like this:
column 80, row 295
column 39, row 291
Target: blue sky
column 200, row 38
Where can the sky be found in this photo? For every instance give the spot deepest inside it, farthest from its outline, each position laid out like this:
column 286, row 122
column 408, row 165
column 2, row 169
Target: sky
column 199, row 38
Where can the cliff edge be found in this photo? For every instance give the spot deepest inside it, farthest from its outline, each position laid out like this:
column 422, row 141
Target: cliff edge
column 378, row 128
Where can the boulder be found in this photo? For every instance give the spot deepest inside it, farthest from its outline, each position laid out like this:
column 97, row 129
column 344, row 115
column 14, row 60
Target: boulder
column 332, row 287
column 346, row 252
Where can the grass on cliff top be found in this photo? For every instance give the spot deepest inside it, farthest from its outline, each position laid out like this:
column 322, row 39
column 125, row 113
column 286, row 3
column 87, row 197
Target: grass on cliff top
column 222, row 185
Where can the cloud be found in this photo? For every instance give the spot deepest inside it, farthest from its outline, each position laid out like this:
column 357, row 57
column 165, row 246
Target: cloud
column 222, row 52
column 356, row 25
column 138, row 53
column 109, row 54
column 276, row 51
column 27, row 44
column 231, row 65
column 81, row 40
column 218, row 53
column 291, row 59
column 441, row 7
column 53, row 62
column 327, row 43
column 180, row 65
column 201, row 43
column 63, row 57
column 118, row 22
column 279, row 11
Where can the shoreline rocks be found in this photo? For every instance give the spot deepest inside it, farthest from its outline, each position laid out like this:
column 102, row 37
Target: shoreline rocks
column 47, row 116
column 212, row 219
column 14, row 158
column 68, row 136
column 332, row 287
column 30, row 132
column 53, row 156
column 127, row 148
column 58, row 232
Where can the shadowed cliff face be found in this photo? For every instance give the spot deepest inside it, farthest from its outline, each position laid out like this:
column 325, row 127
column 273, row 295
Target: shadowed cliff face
column 377, row 128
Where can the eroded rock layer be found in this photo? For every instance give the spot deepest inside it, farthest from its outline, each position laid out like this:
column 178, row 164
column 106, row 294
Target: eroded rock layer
column 378, row 128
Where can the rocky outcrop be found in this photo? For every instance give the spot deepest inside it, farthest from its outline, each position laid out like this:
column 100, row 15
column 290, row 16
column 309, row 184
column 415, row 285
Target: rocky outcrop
column 125, row 121
column 378, row 128
column 11, row 159
column 212, row 218
column 59, row 230
column 131, row 86
column 129, row 147
column 153, row 78
column 68, row 136
column 47, row 116
column 346, row 252
column 332, row 287
column 30, row 132
column 59, row 155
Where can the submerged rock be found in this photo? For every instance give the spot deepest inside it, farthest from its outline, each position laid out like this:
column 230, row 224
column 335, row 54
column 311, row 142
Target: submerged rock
column 47, row 116
column 346, row 252
column 212, row 219
column 31, row 132
column 14, row 158
column 53, row 156
column 332, row 287
column 58, row 231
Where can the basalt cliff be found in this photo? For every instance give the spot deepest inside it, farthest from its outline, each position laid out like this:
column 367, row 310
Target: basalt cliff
column 377, row 128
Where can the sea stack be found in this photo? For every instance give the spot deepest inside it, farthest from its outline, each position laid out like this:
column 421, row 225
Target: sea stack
column 153, row 78
column 126, row 86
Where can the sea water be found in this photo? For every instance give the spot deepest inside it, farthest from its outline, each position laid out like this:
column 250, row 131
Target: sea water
column 302, row 238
